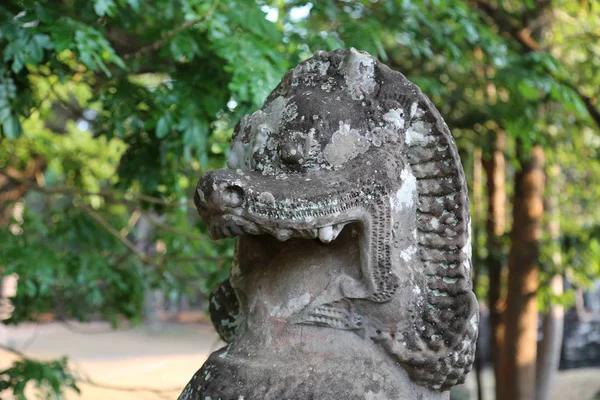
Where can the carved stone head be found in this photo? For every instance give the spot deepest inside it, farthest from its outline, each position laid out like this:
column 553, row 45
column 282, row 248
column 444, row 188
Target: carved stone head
column 352, row 154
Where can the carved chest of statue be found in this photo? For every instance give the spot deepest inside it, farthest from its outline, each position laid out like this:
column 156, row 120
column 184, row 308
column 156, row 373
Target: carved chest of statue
column 352, row 274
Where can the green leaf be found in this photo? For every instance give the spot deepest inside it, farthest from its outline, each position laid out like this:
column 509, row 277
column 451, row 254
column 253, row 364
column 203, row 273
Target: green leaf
column 162, row 127
column 11, row 128
column 135, row 4
column 4, row 114
column 528, row 90
column 104, row 7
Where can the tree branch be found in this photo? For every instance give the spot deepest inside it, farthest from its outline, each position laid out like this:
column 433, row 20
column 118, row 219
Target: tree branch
column 503, row 21
column 523, row 37
column 160, row 42
column 153, row 261
column 108, row 227
column 168, row 228
column 106, row 194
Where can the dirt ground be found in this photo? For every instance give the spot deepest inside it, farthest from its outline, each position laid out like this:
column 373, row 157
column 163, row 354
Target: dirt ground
column 165, row 358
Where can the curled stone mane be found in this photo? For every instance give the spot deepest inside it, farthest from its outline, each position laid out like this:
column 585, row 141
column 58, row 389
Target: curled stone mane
column 345, row 140
column 449, row 323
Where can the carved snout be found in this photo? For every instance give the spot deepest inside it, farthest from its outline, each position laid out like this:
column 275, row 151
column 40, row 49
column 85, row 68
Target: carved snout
column 217, row 192
column 307, row 205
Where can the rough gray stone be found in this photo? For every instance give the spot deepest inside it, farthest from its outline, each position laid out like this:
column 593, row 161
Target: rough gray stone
column 352, row 275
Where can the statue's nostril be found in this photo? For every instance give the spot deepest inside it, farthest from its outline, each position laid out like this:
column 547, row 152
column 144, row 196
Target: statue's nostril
column 233, row 196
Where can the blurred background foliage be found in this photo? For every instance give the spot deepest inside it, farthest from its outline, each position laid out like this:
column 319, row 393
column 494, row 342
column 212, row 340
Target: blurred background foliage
column 110, row 110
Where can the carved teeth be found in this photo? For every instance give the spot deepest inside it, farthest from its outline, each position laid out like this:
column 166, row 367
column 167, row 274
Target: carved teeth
column 283, row 234
column 326, row 234
column 251, row 228
column 218, row 230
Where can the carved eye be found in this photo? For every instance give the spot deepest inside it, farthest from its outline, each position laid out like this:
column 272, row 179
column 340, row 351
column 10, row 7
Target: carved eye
column 233, row 196
column 291, row 152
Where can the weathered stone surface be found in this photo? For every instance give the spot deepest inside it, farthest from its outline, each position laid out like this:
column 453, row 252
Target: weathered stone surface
column 352, row 277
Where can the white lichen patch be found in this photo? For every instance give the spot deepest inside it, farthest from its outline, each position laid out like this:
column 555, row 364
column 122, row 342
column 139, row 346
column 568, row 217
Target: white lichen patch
column 405, row 196
column 323, row 66
column 313, row 65
column 467, row 249
column 290, row 112
column 414, row 109
column 272, row 143
column 260, row 139
column 201, row 195
column 406, row 254
column 346, row 143
column 395, row 117
column 239, row 154
column 262, row 124
column 474, row 321
column 359, row 73
column 418, row 133
column 230, row 323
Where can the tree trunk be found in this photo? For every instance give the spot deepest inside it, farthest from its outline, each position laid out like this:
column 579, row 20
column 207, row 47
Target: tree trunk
column 154, row 302
column 548, row 355
column 477, row 208
column 495, row 226
column 521, row 315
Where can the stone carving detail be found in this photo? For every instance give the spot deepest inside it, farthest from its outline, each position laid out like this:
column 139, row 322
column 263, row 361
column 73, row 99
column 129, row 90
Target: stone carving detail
column 352, row 154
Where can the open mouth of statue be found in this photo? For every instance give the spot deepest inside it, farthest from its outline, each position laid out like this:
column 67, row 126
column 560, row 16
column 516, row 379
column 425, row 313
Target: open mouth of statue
column 311, row 206
column 228, row 225
column 306, row 206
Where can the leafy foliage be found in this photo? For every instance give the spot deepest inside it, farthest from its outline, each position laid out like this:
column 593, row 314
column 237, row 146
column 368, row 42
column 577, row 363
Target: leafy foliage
column 50, row 378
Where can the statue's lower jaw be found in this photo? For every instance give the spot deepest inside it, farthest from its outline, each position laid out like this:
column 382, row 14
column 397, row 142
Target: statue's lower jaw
column 274, row 356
